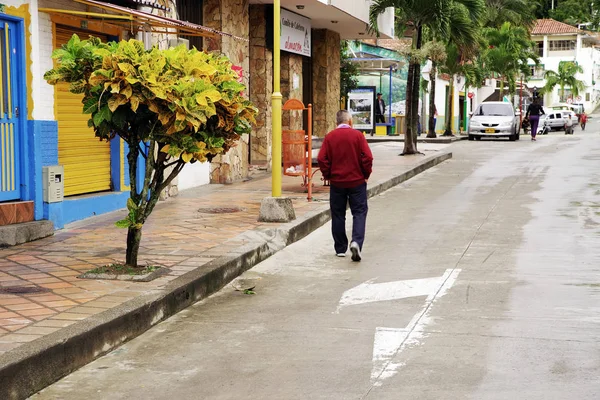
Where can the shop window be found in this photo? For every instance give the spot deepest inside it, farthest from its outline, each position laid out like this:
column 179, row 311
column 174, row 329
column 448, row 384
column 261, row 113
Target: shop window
column 191, row 11
column 562, row 45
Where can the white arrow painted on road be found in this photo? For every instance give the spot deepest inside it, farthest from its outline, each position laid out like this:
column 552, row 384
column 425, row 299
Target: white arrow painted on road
column 369, row 292
column 391, row 341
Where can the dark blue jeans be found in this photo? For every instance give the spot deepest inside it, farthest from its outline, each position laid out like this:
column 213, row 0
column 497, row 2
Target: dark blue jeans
column 338, row 199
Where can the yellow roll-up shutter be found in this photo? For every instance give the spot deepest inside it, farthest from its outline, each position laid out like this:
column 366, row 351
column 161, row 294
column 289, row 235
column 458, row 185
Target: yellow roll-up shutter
column 85, row 158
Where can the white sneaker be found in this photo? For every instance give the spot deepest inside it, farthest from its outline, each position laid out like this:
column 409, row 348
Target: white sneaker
column 341, row 255
column 355, row 249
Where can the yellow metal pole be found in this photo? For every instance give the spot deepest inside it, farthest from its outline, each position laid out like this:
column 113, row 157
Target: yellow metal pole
column 276, row 100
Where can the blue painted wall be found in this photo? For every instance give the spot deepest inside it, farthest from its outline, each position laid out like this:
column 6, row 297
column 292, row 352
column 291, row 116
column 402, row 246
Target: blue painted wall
column 42, row 150
column 78, row 208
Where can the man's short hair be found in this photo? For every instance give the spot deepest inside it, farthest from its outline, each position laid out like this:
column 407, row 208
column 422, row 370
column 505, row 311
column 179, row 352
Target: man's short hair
column 343, row 116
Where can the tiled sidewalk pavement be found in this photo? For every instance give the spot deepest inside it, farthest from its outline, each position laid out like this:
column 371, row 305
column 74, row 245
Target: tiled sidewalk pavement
column 176, row 236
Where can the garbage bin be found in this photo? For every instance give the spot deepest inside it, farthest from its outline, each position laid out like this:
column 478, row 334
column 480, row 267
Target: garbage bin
column 393, row 127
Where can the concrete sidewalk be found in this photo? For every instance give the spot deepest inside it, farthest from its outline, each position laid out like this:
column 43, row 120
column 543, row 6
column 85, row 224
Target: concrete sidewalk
column 64, row 322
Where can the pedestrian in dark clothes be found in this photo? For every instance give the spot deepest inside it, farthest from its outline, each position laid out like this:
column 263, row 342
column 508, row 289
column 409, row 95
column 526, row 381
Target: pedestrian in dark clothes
column 345, row 159
column 533, row 114
column 379, row 110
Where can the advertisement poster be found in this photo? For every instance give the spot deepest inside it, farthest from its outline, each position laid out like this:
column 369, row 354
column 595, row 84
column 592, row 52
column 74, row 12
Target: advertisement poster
column 295, row 33
column 361, row 104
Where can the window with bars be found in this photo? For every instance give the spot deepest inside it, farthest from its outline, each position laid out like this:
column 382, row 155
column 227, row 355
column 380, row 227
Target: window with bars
column 191, row 11
column 562, row 45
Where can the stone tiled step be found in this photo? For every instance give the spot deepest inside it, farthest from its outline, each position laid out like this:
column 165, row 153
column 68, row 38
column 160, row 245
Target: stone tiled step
column 16, row 212
column 14, row 234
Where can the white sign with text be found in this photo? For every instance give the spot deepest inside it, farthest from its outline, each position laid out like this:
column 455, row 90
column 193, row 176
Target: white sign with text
column 295, row 33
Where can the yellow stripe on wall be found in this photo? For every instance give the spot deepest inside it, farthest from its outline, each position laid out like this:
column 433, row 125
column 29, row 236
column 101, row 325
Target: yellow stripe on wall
column 11, row 149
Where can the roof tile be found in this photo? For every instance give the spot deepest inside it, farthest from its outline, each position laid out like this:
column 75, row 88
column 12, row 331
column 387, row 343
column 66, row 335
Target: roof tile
column 551, row 26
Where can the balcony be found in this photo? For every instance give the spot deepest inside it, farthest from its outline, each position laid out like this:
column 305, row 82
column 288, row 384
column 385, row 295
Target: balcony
column 348, row 18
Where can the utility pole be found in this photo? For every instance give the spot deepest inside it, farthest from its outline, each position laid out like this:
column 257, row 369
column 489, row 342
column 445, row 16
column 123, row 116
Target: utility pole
column 276, row 100
column 276, row 208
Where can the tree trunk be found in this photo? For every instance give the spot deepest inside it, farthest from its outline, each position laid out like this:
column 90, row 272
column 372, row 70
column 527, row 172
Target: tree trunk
column 412, row 97
column 501, row 88
column 134, row 238
column 448, row 131
column 432, row 74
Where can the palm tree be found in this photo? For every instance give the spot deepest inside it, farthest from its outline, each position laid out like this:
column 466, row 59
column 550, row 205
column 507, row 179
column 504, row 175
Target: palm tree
column 517, row 12
column 457, row 65
column 566, row 76
column 509, row 53
column 462, row 45
column 436, row 52
column 418, row 14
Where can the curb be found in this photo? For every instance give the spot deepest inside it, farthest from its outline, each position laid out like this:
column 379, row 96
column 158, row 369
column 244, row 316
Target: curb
column 30, row 368
column 438, row 140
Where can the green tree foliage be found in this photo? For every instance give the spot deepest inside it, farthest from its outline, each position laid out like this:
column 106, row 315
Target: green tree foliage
column 510, row 49
column 575, row 11
column 348, row 72
column 517, row 12
column 172, row 107
column 564, row 77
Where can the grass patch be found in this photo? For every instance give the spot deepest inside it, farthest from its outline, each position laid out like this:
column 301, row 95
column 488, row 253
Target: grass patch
column 122, row 269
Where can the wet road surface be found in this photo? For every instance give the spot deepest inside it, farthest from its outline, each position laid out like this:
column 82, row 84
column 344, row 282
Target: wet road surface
column 479, row 280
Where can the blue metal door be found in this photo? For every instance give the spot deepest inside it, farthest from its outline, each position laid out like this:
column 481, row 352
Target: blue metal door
column 10, row 167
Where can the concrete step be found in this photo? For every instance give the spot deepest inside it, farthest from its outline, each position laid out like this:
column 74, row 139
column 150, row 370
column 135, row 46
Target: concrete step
column 11, row 235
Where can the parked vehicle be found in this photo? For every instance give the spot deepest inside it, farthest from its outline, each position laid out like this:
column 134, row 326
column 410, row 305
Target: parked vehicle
column 556, row 120
column 494, row 119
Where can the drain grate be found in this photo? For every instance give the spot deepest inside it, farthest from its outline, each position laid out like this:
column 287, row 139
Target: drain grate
column 22, row 289
column 220, row 210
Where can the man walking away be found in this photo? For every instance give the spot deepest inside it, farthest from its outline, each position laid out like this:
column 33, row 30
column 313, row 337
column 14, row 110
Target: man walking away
column 379, row 110
column 345, row 159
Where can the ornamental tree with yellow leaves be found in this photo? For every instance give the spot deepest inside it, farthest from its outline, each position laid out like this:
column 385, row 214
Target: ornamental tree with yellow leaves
column 172, row 107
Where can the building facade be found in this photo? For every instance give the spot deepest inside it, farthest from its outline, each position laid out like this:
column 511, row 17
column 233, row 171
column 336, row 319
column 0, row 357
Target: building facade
column 43, row 126
column 558, row 42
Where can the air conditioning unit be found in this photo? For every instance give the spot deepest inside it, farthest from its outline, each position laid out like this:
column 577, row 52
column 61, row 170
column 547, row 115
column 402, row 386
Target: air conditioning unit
column 179, row 41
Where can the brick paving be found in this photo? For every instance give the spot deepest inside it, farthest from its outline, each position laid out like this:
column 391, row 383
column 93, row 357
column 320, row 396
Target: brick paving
column 176, row 236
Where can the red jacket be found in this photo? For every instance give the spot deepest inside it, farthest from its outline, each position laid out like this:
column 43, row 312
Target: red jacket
column 345, row 158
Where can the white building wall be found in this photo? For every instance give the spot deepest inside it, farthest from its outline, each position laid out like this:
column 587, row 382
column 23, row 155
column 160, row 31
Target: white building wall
column 43, row 98
column 194, row 175
column 588, row 57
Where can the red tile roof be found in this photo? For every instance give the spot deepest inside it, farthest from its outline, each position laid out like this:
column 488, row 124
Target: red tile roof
column 551, row 26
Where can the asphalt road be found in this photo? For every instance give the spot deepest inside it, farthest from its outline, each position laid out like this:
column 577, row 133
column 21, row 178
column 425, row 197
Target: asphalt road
column 479, row 280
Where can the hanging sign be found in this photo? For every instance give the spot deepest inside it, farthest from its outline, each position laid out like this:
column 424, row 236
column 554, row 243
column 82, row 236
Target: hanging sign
column 295, row 33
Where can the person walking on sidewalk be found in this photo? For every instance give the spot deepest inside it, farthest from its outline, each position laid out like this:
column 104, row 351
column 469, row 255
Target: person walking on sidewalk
column 345, row 159
column 533, row 114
